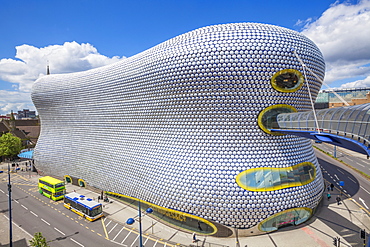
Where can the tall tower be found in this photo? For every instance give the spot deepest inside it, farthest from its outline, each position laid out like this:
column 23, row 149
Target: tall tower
column 47, row 69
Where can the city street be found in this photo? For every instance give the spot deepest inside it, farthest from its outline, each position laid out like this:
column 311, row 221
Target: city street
column 36, row 213
column 33, row 212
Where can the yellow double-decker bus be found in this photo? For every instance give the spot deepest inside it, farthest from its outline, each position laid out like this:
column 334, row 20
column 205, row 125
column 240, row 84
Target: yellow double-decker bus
column 52, row 188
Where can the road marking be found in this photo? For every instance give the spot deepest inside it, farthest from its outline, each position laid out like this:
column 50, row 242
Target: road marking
column 360, row 164
column 105, row 229
column 113, row 228
column 352, row 180
column 341, row 172
column 45, row 222
column 364, row 189
column 108, row 223
column 16, row 201
column 76, row 242
column 2, row 190
column 134, row 240
column 363, row 202
column 336, row 176
column 126, row 236
column 56, row 229
column 146, row 241
column 34, row 214
column 155, row 243
column 24, row 207
column 117, row 234
column 19, row 227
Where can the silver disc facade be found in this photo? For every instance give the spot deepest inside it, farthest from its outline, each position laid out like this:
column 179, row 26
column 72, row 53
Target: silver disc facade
column 181, row 127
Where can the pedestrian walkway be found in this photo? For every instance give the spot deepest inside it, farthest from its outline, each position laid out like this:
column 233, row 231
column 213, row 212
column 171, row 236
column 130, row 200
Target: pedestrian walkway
column 330, row 220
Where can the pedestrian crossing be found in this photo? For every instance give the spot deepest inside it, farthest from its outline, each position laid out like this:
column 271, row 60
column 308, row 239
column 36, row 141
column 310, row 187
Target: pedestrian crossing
column 116, row 232
column 129, row 236
column 19, row 178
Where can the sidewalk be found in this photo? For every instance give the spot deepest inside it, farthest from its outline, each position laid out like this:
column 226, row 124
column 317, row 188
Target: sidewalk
column 329, row 221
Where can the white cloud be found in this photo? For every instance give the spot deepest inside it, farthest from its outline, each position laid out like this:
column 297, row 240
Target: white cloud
column 359, row 83
column 342, row 34
column 14, row 100
column 31, row 63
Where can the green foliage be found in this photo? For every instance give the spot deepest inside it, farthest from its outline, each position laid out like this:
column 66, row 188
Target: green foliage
column 10, row 145
column 38, row 240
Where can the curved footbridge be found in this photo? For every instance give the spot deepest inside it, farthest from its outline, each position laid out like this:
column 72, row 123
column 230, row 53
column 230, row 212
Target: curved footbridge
column 347, row 127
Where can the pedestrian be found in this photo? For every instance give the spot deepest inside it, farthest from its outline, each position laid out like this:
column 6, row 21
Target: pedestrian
column 332, row 187
column 194, row 237
column 338, row 199
column 328, row 187
column 329, row 196
column 199, row 227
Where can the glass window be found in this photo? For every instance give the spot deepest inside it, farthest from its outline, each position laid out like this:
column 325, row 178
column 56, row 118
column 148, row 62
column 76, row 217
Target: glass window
column 336, row 115
column 267, row 119
column 276, row 181
column 287, row 80
column 283, row 178
column 59, row 185
column 294, row 216
column 260, row 179
column 269, row 179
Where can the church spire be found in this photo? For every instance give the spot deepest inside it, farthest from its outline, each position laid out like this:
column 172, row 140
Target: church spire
column 47, row 69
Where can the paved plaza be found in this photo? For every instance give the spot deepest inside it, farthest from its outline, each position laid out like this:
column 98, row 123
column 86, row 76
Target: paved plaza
column 331, row 220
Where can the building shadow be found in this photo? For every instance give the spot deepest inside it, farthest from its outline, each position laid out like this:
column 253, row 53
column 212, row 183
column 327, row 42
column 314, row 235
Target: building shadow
column 351, row 186
column 19, row 243
column 337, row 221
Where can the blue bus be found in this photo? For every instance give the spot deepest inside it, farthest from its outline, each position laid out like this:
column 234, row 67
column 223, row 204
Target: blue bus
column 85, row 207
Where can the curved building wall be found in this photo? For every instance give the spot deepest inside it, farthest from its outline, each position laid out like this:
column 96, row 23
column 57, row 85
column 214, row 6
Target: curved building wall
column 177, row 124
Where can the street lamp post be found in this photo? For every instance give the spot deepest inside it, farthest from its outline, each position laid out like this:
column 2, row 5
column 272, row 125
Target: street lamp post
column 10, row 209
column 131, row 221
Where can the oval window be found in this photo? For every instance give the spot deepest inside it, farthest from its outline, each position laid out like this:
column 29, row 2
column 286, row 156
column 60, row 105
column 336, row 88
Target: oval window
column 270, row 178
column 267, row 119
column 287, row 80
column 292, row 216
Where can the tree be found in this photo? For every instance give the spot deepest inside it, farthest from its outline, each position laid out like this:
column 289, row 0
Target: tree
column 38, row 240
column 10, row 145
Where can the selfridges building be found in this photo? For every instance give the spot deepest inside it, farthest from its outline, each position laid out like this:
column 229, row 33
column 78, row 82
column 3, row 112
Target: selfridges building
column 180, row 127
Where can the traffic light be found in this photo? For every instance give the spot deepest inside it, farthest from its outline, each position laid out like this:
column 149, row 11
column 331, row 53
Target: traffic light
column 335, row 241
column 363, row 233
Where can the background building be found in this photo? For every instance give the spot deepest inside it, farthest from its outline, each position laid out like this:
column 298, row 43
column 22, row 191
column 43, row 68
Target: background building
column 353, row 96
column 26, row 113
column 27, row 130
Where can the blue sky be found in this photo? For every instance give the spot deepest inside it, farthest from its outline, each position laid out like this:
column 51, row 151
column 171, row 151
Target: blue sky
column 80, row 34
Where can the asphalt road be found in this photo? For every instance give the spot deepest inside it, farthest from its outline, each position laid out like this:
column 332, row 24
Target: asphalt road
column 36, row 213
column 360, row 163
column 355, row 186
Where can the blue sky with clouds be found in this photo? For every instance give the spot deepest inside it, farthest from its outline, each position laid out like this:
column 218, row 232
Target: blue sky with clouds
column 83, row 34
